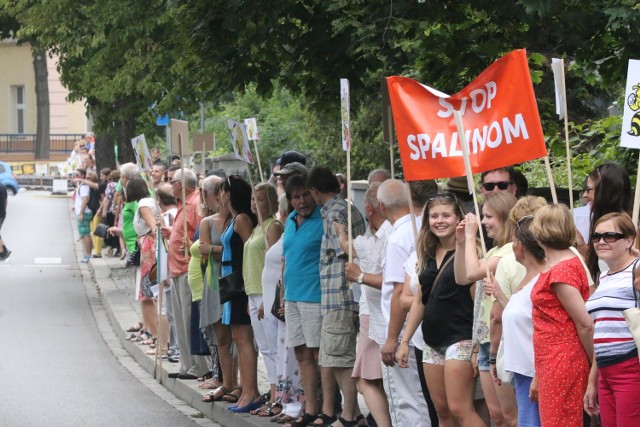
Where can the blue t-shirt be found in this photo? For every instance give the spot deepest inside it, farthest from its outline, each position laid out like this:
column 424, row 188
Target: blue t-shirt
column 301, row 250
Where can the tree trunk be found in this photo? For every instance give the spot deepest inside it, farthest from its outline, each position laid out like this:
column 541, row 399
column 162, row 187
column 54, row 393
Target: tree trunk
column 42, row 101
column 125, row 128
column 105, row 155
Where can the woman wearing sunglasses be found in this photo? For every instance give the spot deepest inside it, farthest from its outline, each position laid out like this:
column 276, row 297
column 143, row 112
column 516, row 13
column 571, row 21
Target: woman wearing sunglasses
column 562, row 328
column 614, row 381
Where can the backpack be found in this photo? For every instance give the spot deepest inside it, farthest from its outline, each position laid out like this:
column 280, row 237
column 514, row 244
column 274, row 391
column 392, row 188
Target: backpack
column 94, row 200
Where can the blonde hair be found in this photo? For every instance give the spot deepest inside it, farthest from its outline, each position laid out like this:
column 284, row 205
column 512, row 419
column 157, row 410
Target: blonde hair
column 501, row 203
column 272, row 197
column 526, row 206
column 553, row 226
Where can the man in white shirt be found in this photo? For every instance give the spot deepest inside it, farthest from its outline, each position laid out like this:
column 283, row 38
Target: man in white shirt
column 407, row 405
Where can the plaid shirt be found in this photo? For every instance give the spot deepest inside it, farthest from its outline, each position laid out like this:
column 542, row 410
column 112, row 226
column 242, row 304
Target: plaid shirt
column 336, row 292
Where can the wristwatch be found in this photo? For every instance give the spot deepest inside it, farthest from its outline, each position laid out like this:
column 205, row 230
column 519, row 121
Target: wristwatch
column 361, row 278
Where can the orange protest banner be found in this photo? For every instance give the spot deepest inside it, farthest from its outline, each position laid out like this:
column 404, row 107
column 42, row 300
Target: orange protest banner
column 500, row 115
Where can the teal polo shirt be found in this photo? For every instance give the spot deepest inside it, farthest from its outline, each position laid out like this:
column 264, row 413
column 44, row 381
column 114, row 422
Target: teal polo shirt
column 301, row 251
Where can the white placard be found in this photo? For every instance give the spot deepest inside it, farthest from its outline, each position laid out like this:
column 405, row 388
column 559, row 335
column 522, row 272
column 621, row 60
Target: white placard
column 630, row 136
column 252, row 129
column 143, row 158
column 240, row 141
column 345, row 115
column 557, row 65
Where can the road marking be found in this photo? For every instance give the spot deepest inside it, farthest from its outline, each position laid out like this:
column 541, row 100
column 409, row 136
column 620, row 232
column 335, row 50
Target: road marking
column 55, row 260
column 46, row 266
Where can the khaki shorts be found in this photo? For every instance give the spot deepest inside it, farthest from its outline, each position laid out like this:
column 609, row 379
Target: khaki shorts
column 338, row 339
column 304, row 323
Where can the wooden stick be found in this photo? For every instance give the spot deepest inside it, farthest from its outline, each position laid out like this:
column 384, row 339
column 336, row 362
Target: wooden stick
column 566, row 135
column 636, row 199
column 391, row 154
column 552, row 185
column 185, row 238
column 349, row 217
column 467, row 167
column 159, row 346
column 255, row 147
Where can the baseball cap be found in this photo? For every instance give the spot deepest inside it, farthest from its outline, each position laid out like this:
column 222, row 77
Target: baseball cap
column 290, row 157
column 293, row 168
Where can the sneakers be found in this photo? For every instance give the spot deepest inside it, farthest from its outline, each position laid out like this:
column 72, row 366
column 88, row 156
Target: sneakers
column 85, row 259
column 5, row 254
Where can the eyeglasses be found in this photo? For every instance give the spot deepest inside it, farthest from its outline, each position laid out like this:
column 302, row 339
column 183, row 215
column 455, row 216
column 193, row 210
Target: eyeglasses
column 587, row 190
column 502, row 185
column 608, row 237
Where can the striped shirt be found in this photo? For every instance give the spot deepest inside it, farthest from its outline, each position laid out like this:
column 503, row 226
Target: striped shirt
column 612, row 339
column 336, row 293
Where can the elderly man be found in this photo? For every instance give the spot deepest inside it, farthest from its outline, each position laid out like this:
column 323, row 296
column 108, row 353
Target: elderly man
column 339, row 310
column 191, row 367
column 407, row 404
column 370, row 251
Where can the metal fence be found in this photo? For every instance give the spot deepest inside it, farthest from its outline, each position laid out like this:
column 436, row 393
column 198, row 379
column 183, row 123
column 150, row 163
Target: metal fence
column 26, row 142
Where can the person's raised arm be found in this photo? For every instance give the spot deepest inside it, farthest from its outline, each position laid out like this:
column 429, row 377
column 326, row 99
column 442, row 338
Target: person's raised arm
column 475, row 268
column 343, row 239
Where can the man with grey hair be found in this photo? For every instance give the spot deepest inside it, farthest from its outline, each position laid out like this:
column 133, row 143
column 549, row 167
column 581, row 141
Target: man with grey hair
column 378, row 175
column 128, row 171
column 191, row 367
column 407, row 405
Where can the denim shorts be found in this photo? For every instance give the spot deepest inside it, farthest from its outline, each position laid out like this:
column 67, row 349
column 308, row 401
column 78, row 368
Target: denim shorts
column 483, row 357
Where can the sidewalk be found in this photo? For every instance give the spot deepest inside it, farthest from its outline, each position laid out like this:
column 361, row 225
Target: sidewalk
column 115, row 286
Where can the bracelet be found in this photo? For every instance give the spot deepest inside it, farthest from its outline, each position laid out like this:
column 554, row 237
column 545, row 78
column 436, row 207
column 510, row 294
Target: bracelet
column 475, row 352
column 404, row 342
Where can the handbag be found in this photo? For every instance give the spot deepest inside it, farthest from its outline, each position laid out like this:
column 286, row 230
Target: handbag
column 632, row 315
column 134, row 257
column 277, row 303
column 101, row 230
column 231, row 286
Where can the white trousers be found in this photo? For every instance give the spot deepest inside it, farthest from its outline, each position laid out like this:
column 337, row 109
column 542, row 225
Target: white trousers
column 265, row 331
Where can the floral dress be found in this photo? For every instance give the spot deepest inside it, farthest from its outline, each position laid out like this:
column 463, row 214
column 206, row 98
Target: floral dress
column 562, row 368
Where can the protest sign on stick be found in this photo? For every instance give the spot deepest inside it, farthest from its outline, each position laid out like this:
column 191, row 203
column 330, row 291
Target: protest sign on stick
column 240, row 141
column 202, row 143
column 557, row 65
column 552, row 185
column 630, row 136
column 141, row 151
column 252, row 133
column 345, row 115
column 180, row 130
column 502, row 125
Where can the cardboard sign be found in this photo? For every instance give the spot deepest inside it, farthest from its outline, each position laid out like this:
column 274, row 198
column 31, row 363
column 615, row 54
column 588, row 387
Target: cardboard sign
column 557, row 65
column 180, row 130
column 345, row 115
column 240, row 141
column 630, row 137
column 499, row 113
column 140, row 149
column 252, row 129
column 203, row 142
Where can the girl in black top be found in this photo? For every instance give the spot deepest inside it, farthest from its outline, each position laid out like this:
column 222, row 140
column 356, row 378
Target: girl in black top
column 445, row 309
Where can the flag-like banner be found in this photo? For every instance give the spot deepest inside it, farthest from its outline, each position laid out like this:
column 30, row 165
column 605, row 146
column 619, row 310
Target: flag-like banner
column 252, row 129
column 240, row 141
column 345, row 114
column 499, row 112
column 141, row 150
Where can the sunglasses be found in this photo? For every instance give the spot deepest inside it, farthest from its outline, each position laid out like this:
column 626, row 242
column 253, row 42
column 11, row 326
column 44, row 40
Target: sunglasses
column 502, row 185
column 608, row 237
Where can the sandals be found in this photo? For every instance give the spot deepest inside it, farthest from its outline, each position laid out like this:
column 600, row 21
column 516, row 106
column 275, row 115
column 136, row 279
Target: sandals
column 346, row 423
column 327, row 420
column 135, row 328
column 303, row 421
column 269, row 410
column 283, row 418
column 211, row 397
column 231, row 397
column 206, row 376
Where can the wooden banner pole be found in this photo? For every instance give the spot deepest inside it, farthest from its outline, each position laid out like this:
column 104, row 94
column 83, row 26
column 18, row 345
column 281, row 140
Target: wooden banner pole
column 255, row 147
column 467, row 167
column 391, row 155
column 185, row 238
column 552, row 184
column 349, row 217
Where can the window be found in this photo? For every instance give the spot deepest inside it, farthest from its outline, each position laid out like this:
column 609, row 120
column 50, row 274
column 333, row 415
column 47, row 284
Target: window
column 18, row 110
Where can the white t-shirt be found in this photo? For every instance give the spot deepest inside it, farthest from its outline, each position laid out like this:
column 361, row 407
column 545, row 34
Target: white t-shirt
column 81, row 191
column 371, row 251
column 139, row 224
column 400, row 244
column 417, row 339
column 517, row 332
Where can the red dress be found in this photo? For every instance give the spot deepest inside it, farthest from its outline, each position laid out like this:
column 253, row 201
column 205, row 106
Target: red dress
column 562, row 368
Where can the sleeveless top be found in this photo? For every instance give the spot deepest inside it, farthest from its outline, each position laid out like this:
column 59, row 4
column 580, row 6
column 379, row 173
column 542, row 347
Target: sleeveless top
column 210, row 309
column 194, row 274
column 232, row 250
column 253, row 258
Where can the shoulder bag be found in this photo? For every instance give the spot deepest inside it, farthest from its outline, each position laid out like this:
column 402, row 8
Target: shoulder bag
column 277, row 303
column 632, row 315
column 231, row 286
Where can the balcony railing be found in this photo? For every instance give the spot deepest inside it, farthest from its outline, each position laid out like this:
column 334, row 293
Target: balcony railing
column 26, row 142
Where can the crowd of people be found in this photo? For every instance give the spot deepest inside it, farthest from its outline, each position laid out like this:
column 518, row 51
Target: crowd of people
column 513, row 318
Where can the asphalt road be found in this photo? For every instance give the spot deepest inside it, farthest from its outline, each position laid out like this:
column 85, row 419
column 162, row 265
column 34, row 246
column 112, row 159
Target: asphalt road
column 55, row 368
